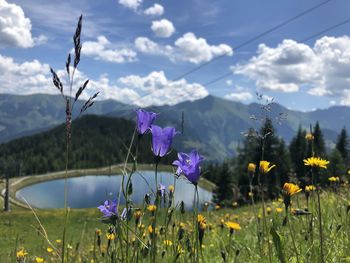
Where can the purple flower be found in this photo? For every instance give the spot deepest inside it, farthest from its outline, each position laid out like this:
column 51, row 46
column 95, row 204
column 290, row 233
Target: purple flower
column 144, row 120
column 109, row 208
column 188, row 165
column 162, row 139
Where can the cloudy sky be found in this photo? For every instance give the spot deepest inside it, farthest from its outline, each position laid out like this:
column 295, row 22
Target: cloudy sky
column 163, row 52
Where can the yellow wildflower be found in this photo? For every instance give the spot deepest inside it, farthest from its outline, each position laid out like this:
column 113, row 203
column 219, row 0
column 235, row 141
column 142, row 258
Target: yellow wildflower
column 233, row 226
column 291, row 189
column 152, row 208
column 110, row 236
column 316, row 162
column 168, row 243
column 279, row 209
column 265, row 167
column 171, row 188
column 138, row 214
column 310, row 188
column 309, row 136
column 333, row 179
column 251, row 167
column 39, row 260
column 20, row 254
column 234, row 204
column 150, row 229
column 201, row 221
column 201, row 218
column 268, row 210
column 217, row 207
column 58, row 241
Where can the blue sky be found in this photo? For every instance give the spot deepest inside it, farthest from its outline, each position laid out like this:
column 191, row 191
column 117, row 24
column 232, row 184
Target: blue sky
column 135, row 50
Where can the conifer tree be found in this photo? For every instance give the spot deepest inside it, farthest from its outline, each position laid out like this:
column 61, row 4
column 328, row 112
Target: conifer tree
column 298, row 152
column 336, row 163
column 342, row 145
column 223, row 193
column 319, row 143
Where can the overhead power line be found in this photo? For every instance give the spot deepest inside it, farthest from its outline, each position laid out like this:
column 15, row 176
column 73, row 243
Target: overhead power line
column 243, row 44
column 270, row 30
column 303, row 40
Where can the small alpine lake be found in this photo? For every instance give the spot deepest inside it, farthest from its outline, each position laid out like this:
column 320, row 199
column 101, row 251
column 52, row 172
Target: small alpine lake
column 92, row 190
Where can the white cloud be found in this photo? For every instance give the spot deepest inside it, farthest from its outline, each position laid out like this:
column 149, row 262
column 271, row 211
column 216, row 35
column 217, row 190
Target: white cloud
column 131, row 4
column 15, row 28
column 101, row 50
column 187, row 48
column 322, row 69
column 229, row 82
column 239, row 96
column 163, row 28
column 159, row 90
column 155, row 10
column 197, row 50
column 154, row 89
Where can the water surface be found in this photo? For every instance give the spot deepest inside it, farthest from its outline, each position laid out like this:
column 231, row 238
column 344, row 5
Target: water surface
column 90, row 191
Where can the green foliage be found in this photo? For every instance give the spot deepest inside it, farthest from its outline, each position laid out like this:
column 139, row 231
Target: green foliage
column 319, row 143
column 298, row 149
column 223, row 193
column 96, row 142
column 337, row 165
column 342, row 145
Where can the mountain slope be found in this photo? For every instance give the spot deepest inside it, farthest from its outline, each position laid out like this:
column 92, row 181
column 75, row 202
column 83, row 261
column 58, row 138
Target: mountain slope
column 97, row 141
column 25, row 115
column 213, row 125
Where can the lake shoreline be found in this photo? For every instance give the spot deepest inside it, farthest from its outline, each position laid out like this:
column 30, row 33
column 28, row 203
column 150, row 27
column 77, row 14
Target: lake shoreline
column 19, row 183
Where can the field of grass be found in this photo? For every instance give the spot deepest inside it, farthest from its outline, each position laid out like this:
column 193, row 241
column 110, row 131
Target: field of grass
column 261, row 239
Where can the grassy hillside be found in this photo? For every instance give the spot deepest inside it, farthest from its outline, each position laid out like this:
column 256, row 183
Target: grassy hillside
column 19, row 229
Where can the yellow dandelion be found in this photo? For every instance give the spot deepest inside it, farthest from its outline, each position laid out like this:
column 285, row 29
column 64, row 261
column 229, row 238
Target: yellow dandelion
column 39, row 260
column 58, row 241
column 310, row 188
column 152, row 208
column 168, row 243
column 291, row 189
column 333, row 179
column 316, row 162
column 150, row 229
column 98, row 232
column 171, row 188
column 265, row 166
column 309, row 136
column 268, row 210
column 251, row 167
column 110, row 236
column 20, row 254
column 233, row 226
column 279, row 209
column 201, row 218
column 49, row 249
column 138, row 214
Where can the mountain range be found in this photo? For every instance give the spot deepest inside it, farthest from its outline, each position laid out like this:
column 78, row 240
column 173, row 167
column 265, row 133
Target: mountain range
column 212, row 125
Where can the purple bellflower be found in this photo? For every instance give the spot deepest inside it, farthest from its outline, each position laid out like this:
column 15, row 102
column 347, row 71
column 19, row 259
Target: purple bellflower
column 144, row 120
column 162, row 139
column 188, row 165
column 109, row 208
